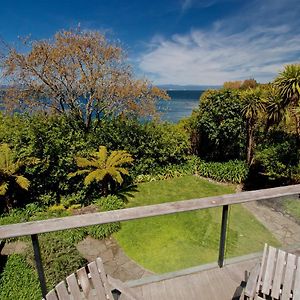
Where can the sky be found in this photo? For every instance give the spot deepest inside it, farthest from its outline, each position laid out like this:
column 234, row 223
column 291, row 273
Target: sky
column 184, row 42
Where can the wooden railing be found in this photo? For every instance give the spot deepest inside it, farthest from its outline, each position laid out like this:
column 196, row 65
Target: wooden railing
column 37, row 227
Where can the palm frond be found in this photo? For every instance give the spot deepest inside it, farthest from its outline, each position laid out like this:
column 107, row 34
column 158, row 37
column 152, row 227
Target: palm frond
column 23, row 182
column 96, row 175
column 3, row 188
column 115, row 175
column 79, row 172
column 122, row 170
column 102, row 155
column 6, row 158
column 83, row 162
column 119, row 157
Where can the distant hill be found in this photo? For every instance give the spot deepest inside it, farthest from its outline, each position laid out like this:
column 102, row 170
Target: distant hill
column 188, row 87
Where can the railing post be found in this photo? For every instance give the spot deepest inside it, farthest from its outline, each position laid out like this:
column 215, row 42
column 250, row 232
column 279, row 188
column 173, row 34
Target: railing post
column 38, row 263
column 223, row 236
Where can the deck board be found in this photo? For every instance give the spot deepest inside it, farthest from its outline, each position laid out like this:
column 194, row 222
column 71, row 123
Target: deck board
column 213, row 284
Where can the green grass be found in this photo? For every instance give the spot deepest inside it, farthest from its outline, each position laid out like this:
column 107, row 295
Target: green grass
column 19, row 280
column 292, row 207
column 173, row 242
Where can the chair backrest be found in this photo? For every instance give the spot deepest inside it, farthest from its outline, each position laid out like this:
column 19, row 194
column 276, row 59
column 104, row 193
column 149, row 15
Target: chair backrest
column 87, row 283
column 279, row 275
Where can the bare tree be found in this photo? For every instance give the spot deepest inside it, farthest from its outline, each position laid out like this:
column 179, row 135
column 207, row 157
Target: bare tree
column 77, row 73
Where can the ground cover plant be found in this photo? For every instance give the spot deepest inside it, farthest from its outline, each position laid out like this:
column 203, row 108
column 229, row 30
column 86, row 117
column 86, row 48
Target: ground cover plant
column 178, row 241
column 232, row 171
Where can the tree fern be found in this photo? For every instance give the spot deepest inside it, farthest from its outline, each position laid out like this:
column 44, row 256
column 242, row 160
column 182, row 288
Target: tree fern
column 104, row 168
column 9, row 173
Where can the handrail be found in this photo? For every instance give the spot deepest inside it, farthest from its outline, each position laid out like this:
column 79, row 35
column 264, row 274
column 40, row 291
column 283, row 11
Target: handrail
column 56, row 224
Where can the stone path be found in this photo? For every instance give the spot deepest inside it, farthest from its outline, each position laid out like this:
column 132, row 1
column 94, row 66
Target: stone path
column 14, row 247
column 283, row 228
column 116, row 262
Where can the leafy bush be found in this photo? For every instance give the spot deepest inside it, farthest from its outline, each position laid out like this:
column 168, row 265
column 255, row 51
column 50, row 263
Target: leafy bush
column 19, row 280
column 234, row 171
column 217, row 127
column 56, row 140
column 105, row 230
column 151, row 144
column 279, row 157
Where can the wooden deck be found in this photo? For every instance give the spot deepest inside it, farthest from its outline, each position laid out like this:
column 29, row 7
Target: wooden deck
column 214, row 283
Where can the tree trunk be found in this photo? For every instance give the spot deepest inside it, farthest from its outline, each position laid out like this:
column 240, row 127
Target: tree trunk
column 8, row 204
column 249, row 144
column 105, row 186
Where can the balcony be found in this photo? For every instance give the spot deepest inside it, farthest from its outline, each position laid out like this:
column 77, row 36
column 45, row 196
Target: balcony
column 223, row 279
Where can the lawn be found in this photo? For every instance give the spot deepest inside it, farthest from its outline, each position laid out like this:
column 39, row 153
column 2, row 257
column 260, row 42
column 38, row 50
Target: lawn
column 173, row 242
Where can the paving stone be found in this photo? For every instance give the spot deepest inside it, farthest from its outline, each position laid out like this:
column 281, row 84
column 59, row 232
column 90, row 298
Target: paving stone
column 116, row 263
column 281, row 226
column 18, row 247
column 107, row 255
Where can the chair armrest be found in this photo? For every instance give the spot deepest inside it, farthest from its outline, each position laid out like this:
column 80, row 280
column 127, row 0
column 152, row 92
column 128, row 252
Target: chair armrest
column 120, row 286
column 250, row 288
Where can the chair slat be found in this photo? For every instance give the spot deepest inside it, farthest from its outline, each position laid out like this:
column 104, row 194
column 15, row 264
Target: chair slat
column 288, row 278
column 252, row 281
column 51, row 295
column 278, row 277
column 267, row 279
column 62, row 291
column 262, row 268
column 73, row 286
column 84, row 282
column 91, row 284
column 96, row 279
column 296, row 290
column 104, row 278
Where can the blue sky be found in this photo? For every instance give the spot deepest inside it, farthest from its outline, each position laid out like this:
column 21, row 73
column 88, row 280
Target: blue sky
column 175, row 42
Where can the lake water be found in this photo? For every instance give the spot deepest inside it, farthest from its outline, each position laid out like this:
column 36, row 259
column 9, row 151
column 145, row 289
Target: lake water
column 181, row 105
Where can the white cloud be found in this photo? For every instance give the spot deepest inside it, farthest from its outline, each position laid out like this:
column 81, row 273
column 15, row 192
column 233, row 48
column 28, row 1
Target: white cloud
column 225, row 52
column 187, row 4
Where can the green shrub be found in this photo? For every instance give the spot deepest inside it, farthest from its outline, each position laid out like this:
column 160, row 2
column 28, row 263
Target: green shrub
column 234, row 171
column 217, row 129
column 279, row 158
column 55, row 141
column 19, row 280
column 151, row 144
column 105, row 230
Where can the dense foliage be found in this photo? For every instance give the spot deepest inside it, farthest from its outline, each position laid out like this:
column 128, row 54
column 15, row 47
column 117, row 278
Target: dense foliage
column 233, row 171
column 56, row 144
column 220, row 126
column 278, row 157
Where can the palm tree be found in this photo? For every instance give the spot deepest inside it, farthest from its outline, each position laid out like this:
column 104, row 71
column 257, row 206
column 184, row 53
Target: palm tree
column 9, row 175
column 253, row 107
column 276, row 110
column 103, row 168
column 288, row 83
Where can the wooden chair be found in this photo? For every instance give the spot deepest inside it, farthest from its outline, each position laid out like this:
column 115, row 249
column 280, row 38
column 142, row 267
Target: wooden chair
column 276, row 277
column 90, row 283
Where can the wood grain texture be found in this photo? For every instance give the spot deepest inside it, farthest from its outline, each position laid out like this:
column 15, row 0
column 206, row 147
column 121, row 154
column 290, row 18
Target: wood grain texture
column 62, row 291
column 277, row 281
column 296, row 295
column 269, row 271
column 288, row 278
column 51, row 295
column 55, row 224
